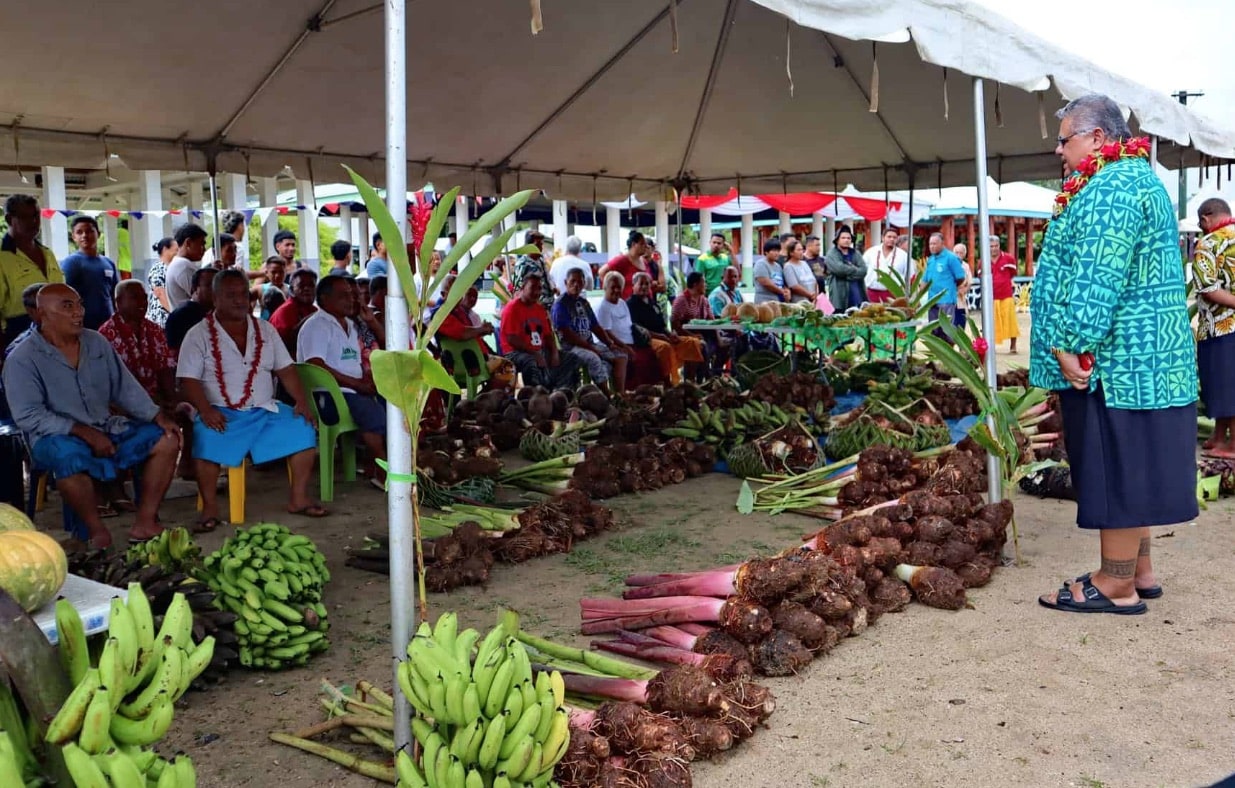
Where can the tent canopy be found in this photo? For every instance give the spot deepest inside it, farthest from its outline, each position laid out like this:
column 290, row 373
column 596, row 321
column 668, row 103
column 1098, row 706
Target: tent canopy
column 257, row 87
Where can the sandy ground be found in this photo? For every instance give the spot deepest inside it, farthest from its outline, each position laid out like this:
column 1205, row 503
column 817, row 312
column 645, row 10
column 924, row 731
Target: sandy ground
column 1007, row 693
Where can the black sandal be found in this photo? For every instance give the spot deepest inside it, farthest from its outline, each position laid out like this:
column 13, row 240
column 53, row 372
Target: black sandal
column 206, row 526
column 1092, row 601
column 1152, row 592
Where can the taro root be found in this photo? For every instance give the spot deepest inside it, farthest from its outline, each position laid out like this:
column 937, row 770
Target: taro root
column 718, row 642
column 933, row 528
column 975, row 574
column 934, row 586
column 585, row 755
column 685, row 690
column 922, row 554
column 882, row 552
column 955, row 554
column 997, row 514
column 662, row 770
column 745, row 620
column 766, row 580
column 802, row 624
column 707, row 735
column 634, row 729
column 926, row 503
column 780, row 654
column 830, row 605
column 749, row 705
column 890, row 595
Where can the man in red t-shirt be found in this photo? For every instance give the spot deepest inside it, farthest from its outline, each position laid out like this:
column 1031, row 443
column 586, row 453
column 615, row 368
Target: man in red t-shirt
column 1003, row 268
column 527, row 338
column 288, row 317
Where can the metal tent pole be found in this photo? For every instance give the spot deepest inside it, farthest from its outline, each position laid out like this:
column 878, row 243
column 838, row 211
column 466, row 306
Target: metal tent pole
column 398, row 440
column 214, row 206
column 994, row 471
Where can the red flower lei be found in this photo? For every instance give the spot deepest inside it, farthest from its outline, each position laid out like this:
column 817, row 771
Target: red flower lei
column 1135, row 148
column 213, row 327
column 1227, row 222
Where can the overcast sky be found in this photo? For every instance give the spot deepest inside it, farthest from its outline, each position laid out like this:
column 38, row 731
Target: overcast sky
column 1169, row 46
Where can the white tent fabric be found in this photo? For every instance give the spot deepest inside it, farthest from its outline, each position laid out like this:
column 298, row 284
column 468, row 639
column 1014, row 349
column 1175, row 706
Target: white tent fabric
column 262, row 86
column 1008, row 199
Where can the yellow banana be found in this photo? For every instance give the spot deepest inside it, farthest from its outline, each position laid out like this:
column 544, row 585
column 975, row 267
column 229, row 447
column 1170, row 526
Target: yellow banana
column 486, row 667
column 10, row 770
column 490, row 746
column 165, row 682
column 474, row 780
column 198, row 660
column 519, row 758
column 409, row 773
column 499, row 689
column 471, row 703
column 522, row 729
column 111, row 668
column 178, row 622
column 557, row 740
column 120, row 626
column 559, row 689
column 68, row 721
column 167, row 778
column 514, row 705
column 465, row 641
column 446, row 630
column 186, row 773
column 74, row 653
column 122, row 771
column 547, row 715
column 533, row 764
column 455, row 687
column 455, row 773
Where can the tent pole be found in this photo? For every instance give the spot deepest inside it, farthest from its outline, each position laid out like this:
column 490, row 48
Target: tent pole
column 398, row 441
column 214, row 206
column 994, row 471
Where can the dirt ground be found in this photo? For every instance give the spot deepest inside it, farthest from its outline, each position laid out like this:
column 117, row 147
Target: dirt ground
column 1007, row 693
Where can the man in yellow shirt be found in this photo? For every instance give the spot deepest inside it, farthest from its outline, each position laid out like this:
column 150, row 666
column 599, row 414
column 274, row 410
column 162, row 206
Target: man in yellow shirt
column 23, row 262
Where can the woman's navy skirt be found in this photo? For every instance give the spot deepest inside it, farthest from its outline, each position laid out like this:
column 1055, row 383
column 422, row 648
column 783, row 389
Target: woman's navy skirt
column 1130, row 468
column 1215, row 361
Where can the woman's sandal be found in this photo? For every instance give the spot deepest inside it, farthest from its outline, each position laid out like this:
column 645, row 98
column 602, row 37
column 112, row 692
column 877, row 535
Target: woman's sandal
column 314, row 510
column 206, row 526
column 1092, row 601
column 1152, row 592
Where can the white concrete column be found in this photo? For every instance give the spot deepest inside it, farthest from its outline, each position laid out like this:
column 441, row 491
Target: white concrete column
column 169, row 203
column 561, row 227
column 268, row 197
column 705, row 227
column 233, row 191
column 829, row 233
column 875, row 236
column 613, row 231
column 195, row 201
column 56, row 228
column 111, row 232
column 514, row 242
column 816, row 224
column 662, row 230
column 461, row 217
column 306, row 239
column 149, row 230
column 784, row 222
column 139, row 247
column 363, row 239
column 345, row 224
column 749, row 249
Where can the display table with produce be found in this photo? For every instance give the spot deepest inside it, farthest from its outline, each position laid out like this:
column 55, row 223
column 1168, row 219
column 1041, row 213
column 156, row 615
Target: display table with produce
column 91, row 599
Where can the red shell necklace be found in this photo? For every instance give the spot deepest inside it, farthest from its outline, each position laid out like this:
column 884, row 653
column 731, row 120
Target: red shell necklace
column 1227, row 222
column 213, row 326
column 1135, row 148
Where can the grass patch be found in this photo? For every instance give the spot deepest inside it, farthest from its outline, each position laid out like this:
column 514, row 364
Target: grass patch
column 651, row 544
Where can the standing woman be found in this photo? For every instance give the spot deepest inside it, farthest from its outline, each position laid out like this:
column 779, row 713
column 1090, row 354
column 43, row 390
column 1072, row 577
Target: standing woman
column 1213, row 270
column 160, row 305
column 961, row 316
column 1111, row 334
column 799, row 278
column 846, row 272
column 630, row 263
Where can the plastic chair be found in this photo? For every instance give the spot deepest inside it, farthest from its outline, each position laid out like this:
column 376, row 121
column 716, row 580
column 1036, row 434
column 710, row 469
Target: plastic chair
column 235, row 494
column 315, row 379
column 456, row 355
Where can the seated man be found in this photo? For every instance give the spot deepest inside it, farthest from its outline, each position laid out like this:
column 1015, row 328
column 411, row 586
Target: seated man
column 274, row 274
column 328, row 339
column 85, row 417
column 288, row 317
column 140, row 343
column 193, row 311
column 30, row 302
column 673, row 350
column 527, row 338
column 226, row 371
column 693, row 304
column 577, row 324
column 614, row 315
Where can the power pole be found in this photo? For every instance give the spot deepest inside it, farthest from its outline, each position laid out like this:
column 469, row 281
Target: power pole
column 1183, row 96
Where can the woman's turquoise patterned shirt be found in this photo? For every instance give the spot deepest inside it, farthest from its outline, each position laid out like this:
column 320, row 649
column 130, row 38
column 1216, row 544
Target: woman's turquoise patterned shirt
column 1110, row 281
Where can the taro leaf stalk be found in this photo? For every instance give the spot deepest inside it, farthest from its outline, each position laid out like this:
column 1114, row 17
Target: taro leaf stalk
column 407, row 376
column 962, row 362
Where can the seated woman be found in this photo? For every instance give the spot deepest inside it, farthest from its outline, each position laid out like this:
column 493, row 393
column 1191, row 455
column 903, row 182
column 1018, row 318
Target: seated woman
column 460, row 326
column 614, row 315
column 673, row 350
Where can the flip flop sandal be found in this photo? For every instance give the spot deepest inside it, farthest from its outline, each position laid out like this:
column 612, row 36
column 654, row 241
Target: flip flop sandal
column 313, row 510
column 1153, row 592
column 107, row 512
column 205, row 526
column 1092, row 601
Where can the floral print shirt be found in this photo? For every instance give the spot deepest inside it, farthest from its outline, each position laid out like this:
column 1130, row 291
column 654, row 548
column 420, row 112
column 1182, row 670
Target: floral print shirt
column 143, row 350
column 1213, row 268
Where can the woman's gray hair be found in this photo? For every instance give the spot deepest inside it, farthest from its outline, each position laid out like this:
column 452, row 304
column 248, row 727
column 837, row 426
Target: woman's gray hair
column 574, row 245
column 611, row 276
column 1095, row 111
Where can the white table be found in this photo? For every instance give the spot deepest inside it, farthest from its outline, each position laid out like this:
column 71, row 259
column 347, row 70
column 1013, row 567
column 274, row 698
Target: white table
column 92, row 600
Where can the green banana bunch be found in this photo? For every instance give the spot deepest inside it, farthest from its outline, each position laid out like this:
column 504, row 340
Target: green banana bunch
column 482, row 719
column 172, row 549
column 272, row 580
column 124, row 703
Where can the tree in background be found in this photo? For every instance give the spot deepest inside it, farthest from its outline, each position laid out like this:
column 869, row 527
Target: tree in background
column 326, row 235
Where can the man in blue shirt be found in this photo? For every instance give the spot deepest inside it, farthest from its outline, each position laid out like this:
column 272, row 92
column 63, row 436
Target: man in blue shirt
column 94, row 277
column 943, row 273
column 377, row 265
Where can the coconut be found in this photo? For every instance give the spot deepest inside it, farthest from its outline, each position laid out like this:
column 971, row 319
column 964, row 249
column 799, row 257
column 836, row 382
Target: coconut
column 730, row 311
column 768, row 311
column 748, row 311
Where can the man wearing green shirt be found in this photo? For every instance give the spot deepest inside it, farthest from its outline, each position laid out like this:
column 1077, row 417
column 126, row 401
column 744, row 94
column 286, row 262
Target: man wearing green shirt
column 712, row 263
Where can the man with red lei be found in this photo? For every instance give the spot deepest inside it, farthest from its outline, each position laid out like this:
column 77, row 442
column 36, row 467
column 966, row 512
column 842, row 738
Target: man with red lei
column 227, row 367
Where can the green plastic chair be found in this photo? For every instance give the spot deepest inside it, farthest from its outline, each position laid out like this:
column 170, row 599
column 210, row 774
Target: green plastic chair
column 314, row 378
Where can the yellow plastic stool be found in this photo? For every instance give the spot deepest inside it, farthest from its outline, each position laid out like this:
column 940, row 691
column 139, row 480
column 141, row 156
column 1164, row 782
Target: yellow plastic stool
column 235, row 492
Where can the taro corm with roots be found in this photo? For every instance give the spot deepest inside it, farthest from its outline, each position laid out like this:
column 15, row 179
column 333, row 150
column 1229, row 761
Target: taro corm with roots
column 745, row 620
column 956, row 554
column 890, row 595
column 707, row 735
column 710, row 642
column 761, row 580
column 680, row 689
column 722, row 667
column 630, row 728
column 934, row 586
column 662, row 770
column 780, row 654
column 807, row 627
column 977, row 573
column 933, row 528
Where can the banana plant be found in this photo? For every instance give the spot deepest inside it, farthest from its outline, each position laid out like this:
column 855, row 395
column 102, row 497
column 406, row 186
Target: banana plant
column 407, row 377
column 914, row 292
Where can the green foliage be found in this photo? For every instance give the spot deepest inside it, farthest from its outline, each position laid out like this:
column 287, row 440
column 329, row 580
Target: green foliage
column 326, row 235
